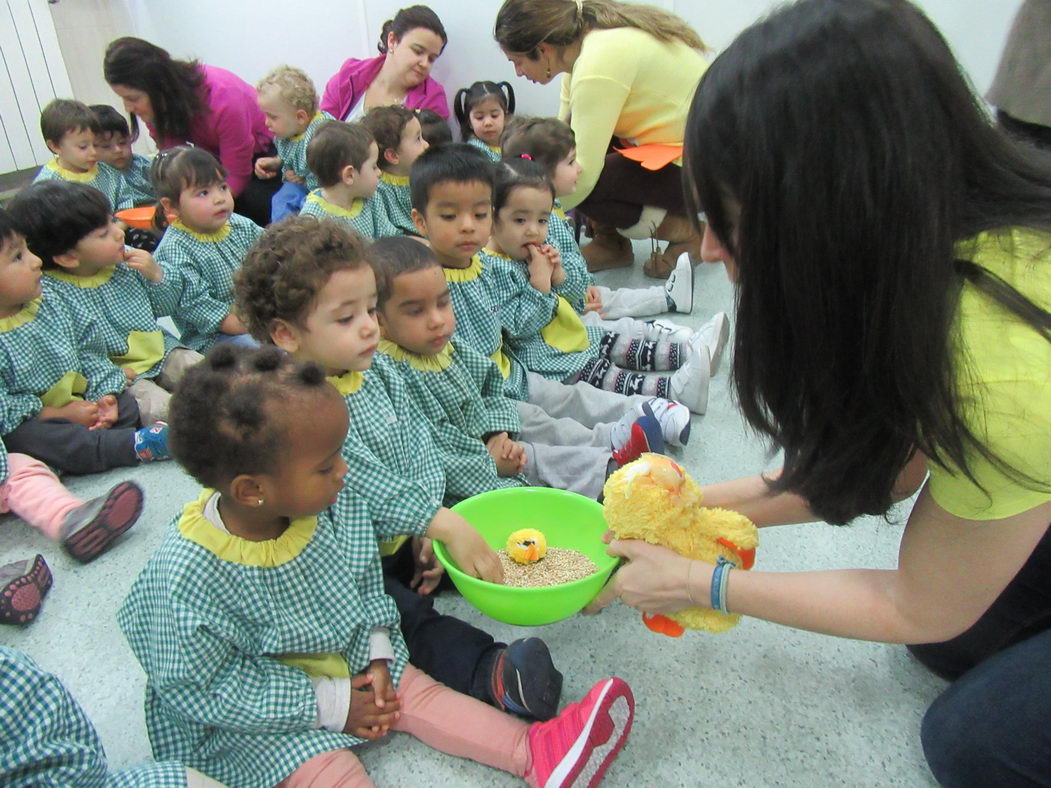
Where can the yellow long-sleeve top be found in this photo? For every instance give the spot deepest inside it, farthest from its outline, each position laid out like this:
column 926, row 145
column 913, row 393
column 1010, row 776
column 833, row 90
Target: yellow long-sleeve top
column 628, row 84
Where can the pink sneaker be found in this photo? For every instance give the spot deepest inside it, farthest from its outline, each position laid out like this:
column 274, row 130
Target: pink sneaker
column 578, row 745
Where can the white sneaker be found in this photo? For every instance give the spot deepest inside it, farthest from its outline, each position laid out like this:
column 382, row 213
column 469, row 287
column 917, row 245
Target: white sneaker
column 712, row 337
column 689, row 383
column 673, row 417
column 679, row 287
column 666, row 331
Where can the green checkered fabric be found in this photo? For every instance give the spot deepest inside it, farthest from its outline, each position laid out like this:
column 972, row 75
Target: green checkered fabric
column 122, row 302
column 103, row 177
column 206, row 630
column 392, row 460
column 137, row 180
column 368, row 217
column 293, row 151
column 46, row 739
column 395, row 196
column 493, row 153
column 4, row 470
column 525, row 311
column 478, row 319
column 203, row 267
column 40, row 346
column 463, row 402
column 560, row 235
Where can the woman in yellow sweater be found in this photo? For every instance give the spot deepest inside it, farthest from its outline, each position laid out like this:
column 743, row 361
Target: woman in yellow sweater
column 630, row 72
column 891, row 250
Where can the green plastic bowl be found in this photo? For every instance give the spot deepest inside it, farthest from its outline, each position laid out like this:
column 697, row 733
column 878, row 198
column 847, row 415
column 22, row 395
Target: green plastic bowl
column 567, row 519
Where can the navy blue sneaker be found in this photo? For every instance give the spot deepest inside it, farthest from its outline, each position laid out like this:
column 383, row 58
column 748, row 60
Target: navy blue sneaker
column 525, row 681
column 646, row 435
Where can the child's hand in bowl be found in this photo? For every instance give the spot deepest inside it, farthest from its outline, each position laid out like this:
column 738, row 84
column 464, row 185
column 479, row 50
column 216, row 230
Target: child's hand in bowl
column 466, row 546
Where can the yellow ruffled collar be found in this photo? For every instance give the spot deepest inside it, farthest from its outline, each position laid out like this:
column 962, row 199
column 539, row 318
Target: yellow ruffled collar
column 97, row 279
column 468, row 274
column 22, row 316
column 69, row 175
column 347, row 383
column 394, row 180
column 499, row 255
column 439, row 362
column 219, row 235
column 193, row 525
column 337, row 210
column 313, row 120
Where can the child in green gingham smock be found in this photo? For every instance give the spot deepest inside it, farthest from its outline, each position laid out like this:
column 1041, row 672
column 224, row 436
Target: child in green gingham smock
column 492, row 152
column 204, row 266
column 578, row 279
column 137, row 179
column 460, row 393
column 293, row 151
column 102, row 177
column 478, row 323
column 125, row 306
column 47, row 739
column 230, row 633
column 366, row 217
column 394, row 194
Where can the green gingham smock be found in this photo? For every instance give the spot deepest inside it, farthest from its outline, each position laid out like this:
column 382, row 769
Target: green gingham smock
column 492, row 152
column 392, row 460
column 478, row 322
column 3, row 463
column 395, row 196
column 531, row 318
column 460, row 392
column 293, row 151
column 102, row 177
column 366, row 217
column 47, row 359
column 46, row 739
column 137, row 180
column 125, row 305
column 229, row 632
column 204, row 267
column 578, row 279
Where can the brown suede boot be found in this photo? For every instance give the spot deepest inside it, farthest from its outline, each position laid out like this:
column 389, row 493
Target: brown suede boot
column 608, row 249
column 681, row 236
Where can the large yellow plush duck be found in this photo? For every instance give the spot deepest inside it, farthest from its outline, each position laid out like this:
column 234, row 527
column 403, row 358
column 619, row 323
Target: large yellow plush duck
column 655, row 500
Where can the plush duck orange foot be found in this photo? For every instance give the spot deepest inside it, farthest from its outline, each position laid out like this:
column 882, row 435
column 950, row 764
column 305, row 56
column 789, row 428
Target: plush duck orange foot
column 654, row 499
column 526, row 546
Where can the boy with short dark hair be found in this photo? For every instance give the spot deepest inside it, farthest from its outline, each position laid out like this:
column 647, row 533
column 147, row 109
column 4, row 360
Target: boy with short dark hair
column 343, row 156
column 122, row 290
column 113, row 147
column 69, row 128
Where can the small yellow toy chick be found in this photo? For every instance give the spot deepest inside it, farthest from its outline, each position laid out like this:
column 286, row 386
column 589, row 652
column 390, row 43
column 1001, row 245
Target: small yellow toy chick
column 526, row 546
column 655, row 500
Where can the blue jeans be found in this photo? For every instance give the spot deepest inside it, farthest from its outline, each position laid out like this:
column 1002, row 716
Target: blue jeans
column 993, row 725
column 238, row 340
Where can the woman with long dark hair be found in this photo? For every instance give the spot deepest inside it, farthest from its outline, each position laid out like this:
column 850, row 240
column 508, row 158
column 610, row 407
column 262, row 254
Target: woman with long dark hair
column 891, row 249
column 630, row 70
column 184, row 101
column 409, row 44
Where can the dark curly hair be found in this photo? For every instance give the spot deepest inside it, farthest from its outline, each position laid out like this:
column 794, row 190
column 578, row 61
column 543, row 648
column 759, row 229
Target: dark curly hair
column 226, row 418
column 547, row 140
column 289, row 264
column 387, row 125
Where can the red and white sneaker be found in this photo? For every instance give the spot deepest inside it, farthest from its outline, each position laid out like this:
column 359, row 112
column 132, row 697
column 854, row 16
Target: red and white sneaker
column 578, row 745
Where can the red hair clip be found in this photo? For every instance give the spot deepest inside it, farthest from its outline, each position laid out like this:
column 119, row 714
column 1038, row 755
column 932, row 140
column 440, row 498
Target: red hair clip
column 525, row 156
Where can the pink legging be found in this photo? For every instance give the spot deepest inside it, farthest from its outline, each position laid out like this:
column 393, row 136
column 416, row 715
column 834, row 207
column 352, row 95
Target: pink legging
column 36, row 495
column 440, row 717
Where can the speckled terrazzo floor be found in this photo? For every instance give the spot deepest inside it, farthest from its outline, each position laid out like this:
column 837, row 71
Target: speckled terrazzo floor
column 760, row 705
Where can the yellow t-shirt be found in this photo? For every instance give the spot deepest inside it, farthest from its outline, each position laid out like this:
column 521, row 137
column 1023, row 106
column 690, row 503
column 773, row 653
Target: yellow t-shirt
column 1004, row 374
column 628, row 84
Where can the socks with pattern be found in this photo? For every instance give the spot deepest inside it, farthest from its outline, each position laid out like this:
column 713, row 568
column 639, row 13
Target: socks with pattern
column 642, row 354
column 604, row 374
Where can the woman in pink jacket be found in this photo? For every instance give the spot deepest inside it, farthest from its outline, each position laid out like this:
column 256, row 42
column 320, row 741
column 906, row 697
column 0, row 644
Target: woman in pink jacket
column 409, row 44
column 184, row 101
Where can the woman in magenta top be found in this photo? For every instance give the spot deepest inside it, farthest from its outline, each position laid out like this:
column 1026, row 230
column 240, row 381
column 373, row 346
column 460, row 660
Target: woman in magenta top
column 185, row 101
column 409, row 44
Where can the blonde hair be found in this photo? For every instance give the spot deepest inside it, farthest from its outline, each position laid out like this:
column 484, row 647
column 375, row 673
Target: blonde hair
column 523, row 25
column 294, row 87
